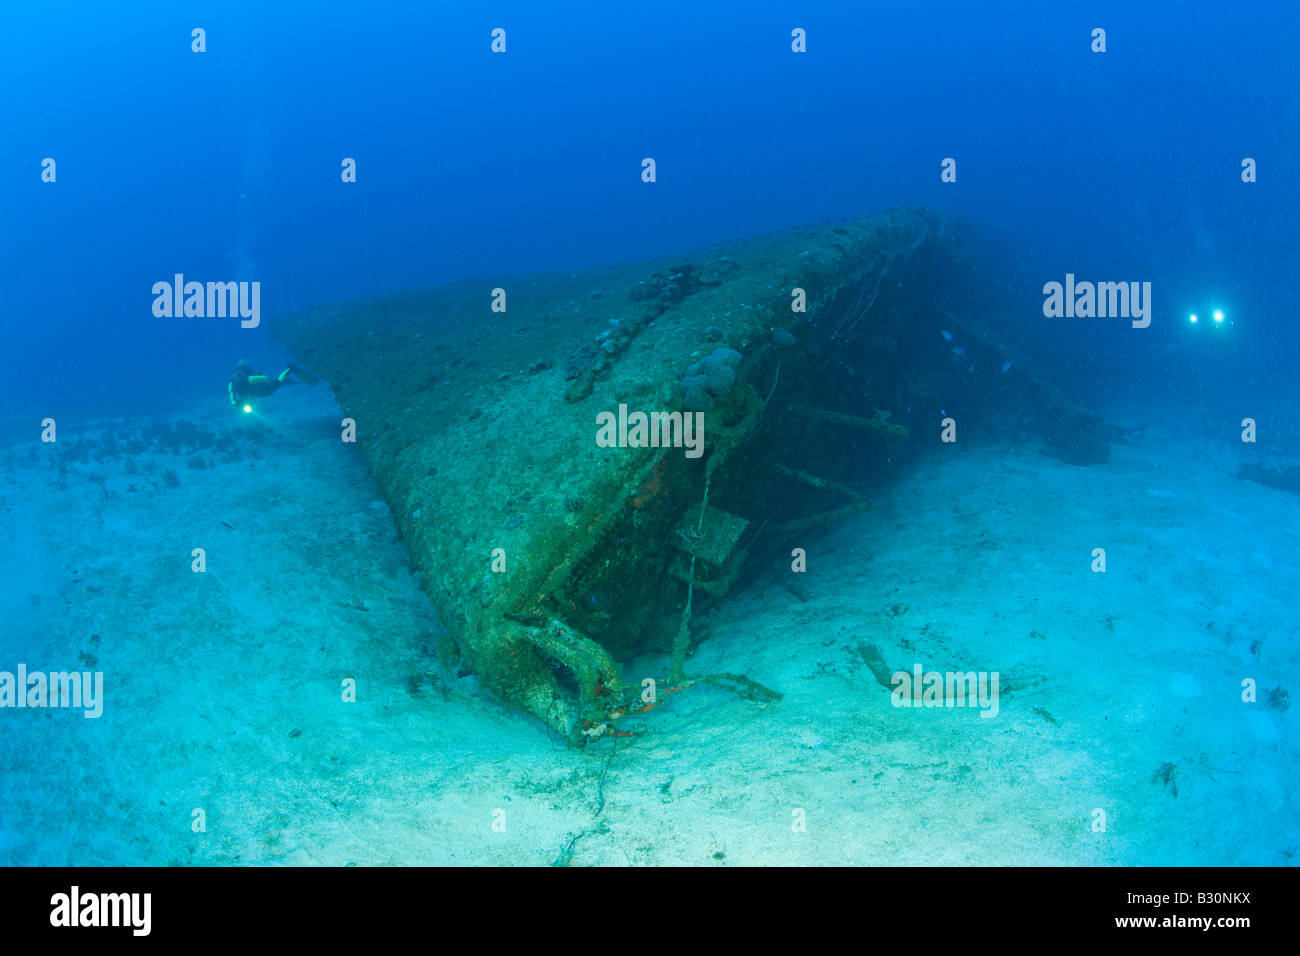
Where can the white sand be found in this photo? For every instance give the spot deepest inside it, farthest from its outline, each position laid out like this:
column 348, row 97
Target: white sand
column 224, row 688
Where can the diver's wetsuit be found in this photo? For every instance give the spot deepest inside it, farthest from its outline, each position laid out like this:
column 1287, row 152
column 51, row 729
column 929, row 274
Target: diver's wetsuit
column 247, row 382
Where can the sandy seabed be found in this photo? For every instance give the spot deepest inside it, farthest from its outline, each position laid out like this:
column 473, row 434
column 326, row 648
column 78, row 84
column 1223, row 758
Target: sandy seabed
column 1121, row 736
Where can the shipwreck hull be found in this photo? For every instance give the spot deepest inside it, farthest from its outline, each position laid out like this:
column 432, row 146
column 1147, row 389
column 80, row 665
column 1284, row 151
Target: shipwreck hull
column 553, row 560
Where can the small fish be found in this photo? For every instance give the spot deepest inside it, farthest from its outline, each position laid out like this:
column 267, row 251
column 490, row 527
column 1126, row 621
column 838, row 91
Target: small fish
column 971, row 369
column 1006, row 366
column 947, row 336
column 958, row 350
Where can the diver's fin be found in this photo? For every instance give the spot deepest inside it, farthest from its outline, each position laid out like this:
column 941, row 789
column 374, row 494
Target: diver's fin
column 307, row 377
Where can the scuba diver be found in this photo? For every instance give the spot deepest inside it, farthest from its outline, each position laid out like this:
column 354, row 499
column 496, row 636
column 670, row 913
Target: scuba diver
column 247, row 382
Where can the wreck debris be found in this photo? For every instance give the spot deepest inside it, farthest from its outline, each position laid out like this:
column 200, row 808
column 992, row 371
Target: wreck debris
column 825, row 517
column 607, row 554
column 879, row 422
column 815, row 481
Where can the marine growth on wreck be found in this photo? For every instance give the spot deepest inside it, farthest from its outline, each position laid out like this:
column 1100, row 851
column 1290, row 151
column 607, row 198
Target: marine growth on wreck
column 582, row 464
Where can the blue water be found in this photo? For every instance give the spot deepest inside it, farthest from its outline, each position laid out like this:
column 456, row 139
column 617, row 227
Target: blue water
column 225, row 165
column 472, row 163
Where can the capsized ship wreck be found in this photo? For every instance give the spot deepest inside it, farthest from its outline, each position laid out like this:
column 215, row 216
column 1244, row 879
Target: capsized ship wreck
column 815, row 356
